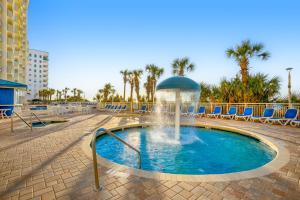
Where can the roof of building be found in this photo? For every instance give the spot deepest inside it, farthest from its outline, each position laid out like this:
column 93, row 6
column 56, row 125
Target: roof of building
column 11, row 84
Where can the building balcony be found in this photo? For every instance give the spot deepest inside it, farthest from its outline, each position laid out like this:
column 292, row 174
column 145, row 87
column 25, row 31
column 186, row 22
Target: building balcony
column 10, row 13
column 10, row 28
column 10, row 55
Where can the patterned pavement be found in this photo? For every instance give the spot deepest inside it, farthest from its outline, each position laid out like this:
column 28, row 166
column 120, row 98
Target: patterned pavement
column 49, row 163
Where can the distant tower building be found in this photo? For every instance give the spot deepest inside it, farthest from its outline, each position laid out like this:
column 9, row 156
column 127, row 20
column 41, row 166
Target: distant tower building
column 37, row 73
column 13, row 40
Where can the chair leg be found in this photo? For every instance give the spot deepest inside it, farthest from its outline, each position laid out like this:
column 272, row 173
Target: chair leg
column 287, row 122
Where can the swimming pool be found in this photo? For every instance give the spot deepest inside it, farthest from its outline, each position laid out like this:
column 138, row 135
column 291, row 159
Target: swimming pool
column 39, row 108
column 39, row 124
column 198, row 151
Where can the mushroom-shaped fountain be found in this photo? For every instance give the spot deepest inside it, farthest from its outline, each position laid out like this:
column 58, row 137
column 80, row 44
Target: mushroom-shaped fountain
column 179, row 85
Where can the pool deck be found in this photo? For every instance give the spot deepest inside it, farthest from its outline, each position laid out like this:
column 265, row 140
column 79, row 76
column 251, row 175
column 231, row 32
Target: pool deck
column 49, row 163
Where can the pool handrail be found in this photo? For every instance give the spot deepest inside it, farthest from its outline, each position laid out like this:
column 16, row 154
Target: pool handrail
column 93, row 145
column 37, row 118
column 19, row 116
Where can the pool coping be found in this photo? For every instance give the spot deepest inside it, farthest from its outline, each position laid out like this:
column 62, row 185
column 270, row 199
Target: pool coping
column 281, row 159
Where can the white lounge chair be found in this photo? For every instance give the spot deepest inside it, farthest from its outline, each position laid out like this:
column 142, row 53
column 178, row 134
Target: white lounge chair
column 216, row 113
column 290, row 115
column 248, row 112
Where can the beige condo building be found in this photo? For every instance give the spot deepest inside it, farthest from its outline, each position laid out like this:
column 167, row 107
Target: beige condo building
column 13, row 40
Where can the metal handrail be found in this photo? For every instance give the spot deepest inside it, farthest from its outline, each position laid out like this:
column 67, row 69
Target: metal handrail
column 127, row 144
column 38, row 118
column 12, row 121
column 95, row 164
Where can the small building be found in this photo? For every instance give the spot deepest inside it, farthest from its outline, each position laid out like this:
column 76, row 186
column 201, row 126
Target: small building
column 11, row 94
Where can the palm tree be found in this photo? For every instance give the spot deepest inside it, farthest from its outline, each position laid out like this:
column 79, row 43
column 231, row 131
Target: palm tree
column 125, row 74
column 74, row 92
column 205, row 92
column 65, row 92
column 242, row 54
column 106, row 91
column 51, row 92
column 79, row 92
column 148, row 87
column 262, row 89
column 137, row 76
column 57, row 95
column 98, row 97
column 155, row 73
column 131, row 83
column 180, row 65
column 42, row 94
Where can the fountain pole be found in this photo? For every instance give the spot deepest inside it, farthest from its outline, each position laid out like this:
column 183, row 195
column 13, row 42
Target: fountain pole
column 178, row 84
column 177, row 115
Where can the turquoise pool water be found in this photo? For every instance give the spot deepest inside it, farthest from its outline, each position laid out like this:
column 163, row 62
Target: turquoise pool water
column 198, row 151
column 45, row 123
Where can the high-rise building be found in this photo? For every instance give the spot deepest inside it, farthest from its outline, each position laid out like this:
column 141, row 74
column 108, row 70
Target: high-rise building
column 13, row 40
column 37, row 73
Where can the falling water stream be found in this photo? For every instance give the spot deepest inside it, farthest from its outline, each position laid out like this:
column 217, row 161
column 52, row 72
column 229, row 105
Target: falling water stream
column 168, row 110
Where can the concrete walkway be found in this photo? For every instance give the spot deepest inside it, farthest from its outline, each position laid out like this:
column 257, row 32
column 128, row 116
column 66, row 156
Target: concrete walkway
column 49, row 163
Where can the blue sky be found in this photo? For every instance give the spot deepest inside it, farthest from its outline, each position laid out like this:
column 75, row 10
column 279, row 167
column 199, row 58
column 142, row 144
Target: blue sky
column 90, row 41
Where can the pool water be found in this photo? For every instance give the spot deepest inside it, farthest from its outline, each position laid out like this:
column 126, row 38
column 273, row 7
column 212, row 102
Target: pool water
column 39, row 108
column 45, row 123
column 199, row 150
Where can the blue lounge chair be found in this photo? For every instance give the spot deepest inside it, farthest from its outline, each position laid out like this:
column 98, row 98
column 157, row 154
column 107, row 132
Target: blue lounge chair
column 200, row 112
column 118, row 108
column 113, row 108
column 108, row 108
column 142, row 110
column 230, row 114
column 268, row 113
column 124, row 108
column 216, row 113
column 105, row 108
column 290, row 115
column 189, row 112
column 248, row 112
column 295, row 123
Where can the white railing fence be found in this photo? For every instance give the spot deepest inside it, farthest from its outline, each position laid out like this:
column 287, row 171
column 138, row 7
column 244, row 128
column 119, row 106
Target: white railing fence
column 258, row 108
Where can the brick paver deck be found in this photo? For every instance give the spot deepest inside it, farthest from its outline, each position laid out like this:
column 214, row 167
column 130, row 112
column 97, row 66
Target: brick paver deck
column 50, row 164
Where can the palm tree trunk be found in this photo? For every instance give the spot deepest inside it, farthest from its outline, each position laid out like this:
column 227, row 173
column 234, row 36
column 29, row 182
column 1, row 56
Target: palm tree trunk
column 124, row 91
column 131, row 94
column 244, row 72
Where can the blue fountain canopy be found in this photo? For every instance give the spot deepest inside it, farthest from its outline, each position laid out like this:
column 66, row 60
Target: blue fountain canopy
column 178, row 82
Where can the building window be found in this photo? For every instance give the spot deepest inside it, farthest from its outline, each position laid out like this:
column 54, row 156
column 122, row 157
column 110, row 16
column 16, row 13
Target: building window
column 35, row 55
